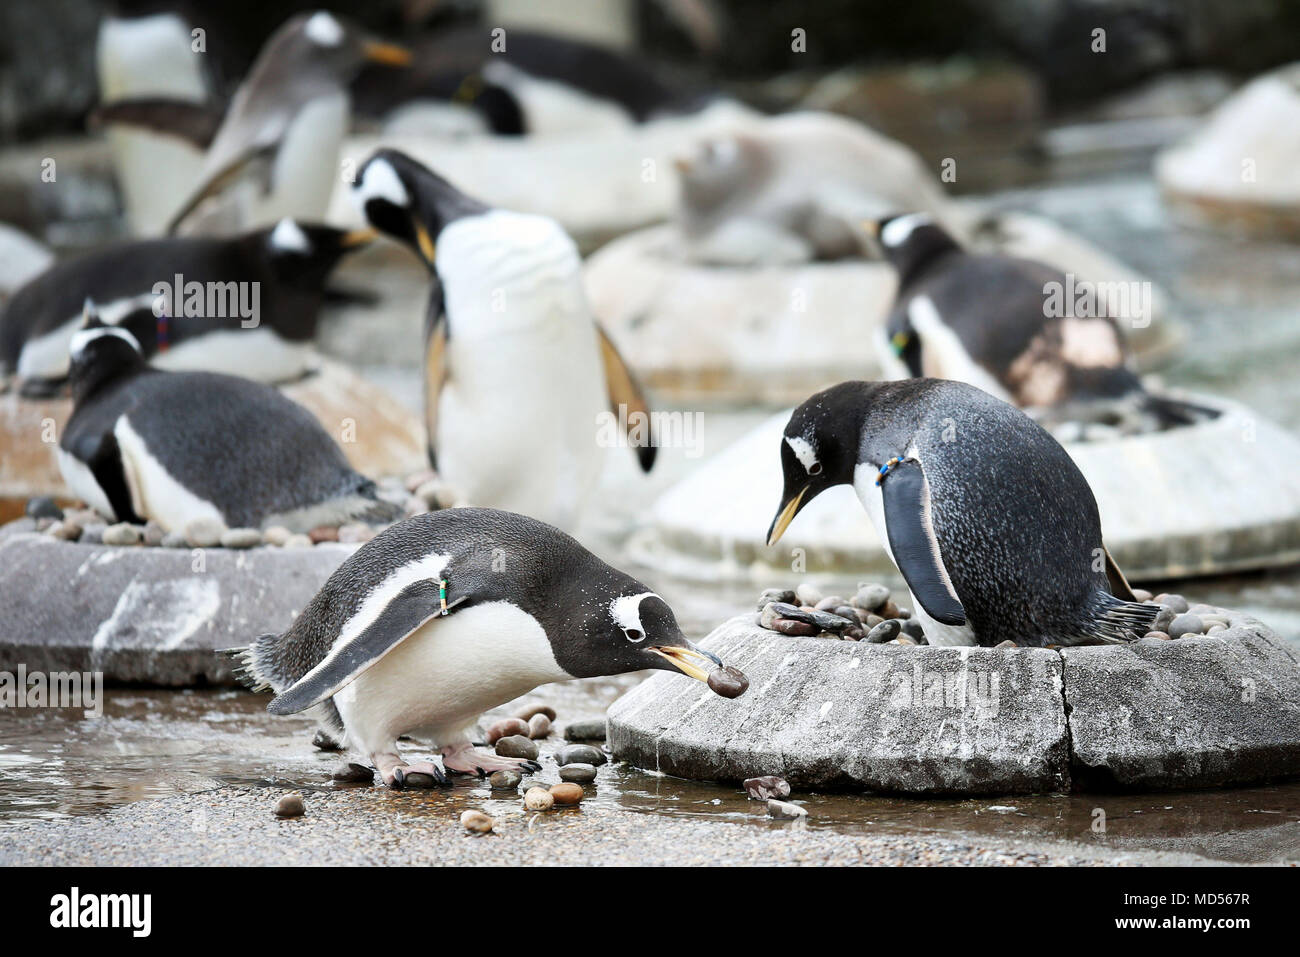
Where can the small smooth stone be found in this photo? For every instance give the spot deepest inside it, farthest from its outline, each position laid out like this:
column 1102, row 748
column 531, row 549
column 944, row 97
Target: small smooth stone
column 905, row 640
column 904, row 613
column 204, row 533
column 66, row 530
column 847, row 612
column 352, row 773
column 1157, row 635
column 580, row 754
column 784, row 811
column 853, row 633
column 1216, row 630
column 1200, row 608
column 93, row 534
column 1164, row 618
column 174, row 540
column 870, row 597
column 889, row 610
column 775, row 594
column 527, row 712
column 796, row 629
column 436, row 495
column 1186, row 624
column 291, row 805
column 323, row 742
column 729, row 682
column 768, row 616
column 870, row 619
column 355, row 533
column 1008, row 643
column 808, row 594
column 42, row 506
column 885, row 631
column 518, row 746
column 154, row 534
column 506, row 727
column 568, row 793
column 912, row 628
column 122, row 533
column 323, row 533
column 829, row 603
column 1177, row 602
column 506, row 780
column 538, row 799
column 824, row 621
column 44, row 524
column 476, row 821
column 1141, row 594
column 82, row 516
column 578, row 773
column 1213, row 619
column 277, row 535
column 241, row 538
column 767, row 787
column 539, row 726
column 298, row 541
column 593, row 730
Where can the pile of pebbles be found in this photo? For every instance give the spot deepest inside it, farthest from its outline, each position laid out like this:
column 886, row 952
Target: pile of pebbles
column 1179, row 618
column 870, row 615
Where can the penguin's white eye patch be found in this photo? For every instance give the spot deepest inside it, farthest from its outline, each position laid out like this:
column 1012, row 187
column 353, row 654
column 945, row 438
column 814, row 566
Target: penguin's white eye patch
column 324, row 30
column 626, row 612
column 897, row 230
column 84, row 337
column 805, row 453
column 289, row 237
column 380, row 181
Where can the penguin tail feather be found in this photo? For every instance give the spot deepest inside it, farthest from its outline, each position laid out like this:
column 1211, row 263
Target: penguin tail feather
column 1120, row 622
column 248, row 671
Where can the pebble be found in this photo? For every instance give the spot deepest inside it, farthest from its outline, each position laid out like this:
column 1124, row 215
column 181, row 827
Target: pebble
column 567, row 793
column 1216, row 630
column 241, row 538
column 885, row 631
column 846, row 611
column 593, row 730
column 1212, row 618
column 323, row 533
column 42, row 506
column 823, row 620
column 45, row 524
column 808, row 594
column 476, row 822
column 829, row 603
column 578, row 773
column 529, row 711
column 870, row 619
column 66, row 530
column 1157, row 635
column 174, row 540
column 1141, row 594
column 352, row 773
column 298, row 541
column 1164, row 618
column 539, row 726
column 123, row 533
column 323, row 742
column 775, row 594
column 436, row 494
column 506, row 727
column 518, row 746
column 728, row 682
column 355, row 533
column 1186, row 624
column 904, row 640
column 579, row 754
column 784, row 811
column 796, row 629
column 154, row 534
column 204, row 533
column 538, row 799
column 505, row 780
column 290, row 805
column 1008, row 643
column 767, row 615
column 276, row 535
column 1177, row 602
column 767, row 787
column 912, row 628
column 870, row 597
column 890, row 610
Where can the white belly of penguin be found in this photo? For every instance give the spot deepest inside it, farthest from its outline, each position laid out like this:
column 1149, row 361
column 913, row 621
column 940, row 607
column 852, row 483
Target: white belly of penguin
column 439, row 680
column 871, row 496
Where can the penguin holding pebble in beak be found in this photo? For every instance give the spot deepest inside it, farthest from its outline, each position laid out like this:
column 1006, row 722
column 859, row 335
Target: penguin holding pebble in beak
column 986, row 516
column 172, row 447
column 983, row 319
column 450, row 613
column 518, row 374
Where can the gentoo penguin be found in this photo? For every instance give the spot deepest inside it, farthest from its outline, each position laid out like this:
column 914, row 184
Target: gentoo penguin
column 447, row 614
column 246, row 305
column 987, row 319
column 171, row 447
column 275, row 153
column 987, row 517
column 518, row 375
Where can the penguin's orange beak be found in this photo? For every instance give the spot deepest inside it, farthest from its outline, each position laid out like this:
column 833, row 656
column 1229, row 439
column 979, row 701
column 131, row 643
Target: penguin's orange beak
column 680, row 657
column 389, row 54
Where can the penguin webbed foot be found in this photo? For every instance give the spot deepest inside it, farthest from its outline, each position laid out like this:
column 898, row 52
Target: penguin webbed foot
column 399, row 775
column 467, row 759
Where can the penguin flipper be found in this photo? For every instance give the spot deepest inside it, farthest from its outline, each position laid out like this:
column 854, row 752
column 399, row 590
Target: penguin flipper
column 103, row 457
column 912, row 540
column 1119, row 586
column 223, row 177
column 195, row 123
column 356, row 649
column 435, row 367
column 627, row 401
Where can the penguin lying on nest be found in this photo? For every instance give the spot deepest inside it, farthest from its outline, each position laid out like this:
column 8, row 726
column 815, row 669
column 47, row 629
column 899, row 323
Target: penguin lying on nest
column 172, row 447
column 254, row 315
column 518, row 374
column 986, row 516
column 983, row 319
column 447, row 614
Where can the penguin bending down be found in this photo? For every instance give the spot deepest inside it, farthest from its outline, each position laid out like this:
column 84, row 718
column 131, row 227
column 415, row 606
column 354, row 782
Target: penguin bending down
column 254, row 312
column 984, row 319
column 172, row 447
column 985, row 515
column 450, row 613
column 518, row 374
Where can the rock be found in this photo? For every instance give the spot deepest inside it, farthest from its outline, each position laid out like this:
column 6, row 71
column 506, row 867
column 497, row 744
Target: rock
column 298, row 541
column 291, row 805
column 42, row 506
column 829, row 603
column 885, row 631
column 905, row 640
column 517, row 746
column 352, row 773
column 579, row 754
column 808, row 594
column 766, row 787
column 1177, row 602
column 45, row 524
column 1186, row 624
column 593, row 730
column 1008, row 643
column 846, row 611
column 869, row 619
column 870, row 597
column 798, row 629
column 174, row 540
column 476, row 822
column 1158, row 635
column 93, row 534
column 767, row 616
column 784, row 811
column 823, row 621
column 204, row 533
column 889, row 610
column 241, row 538
column 775, row 594
column 1164, row 618
column 578, row 773
column 65, row 531
column 1141, row 594
column 506, row 727
column 323, row 533
column 912, row 628
column 506, row 780
column 728, row 681
column 567, row 793
column 123, row 533
column 539, row 726
column 323, row 742
column 153, row 534
column 527, row 712
column 538, row 799
column 1216, row 630
column 355, row 533
column 276, row 535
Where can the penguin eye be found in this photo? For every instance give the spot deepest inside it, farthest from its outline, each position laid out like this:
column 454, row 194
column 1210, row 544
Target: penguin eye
column 634, row 634
column 815, row 469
